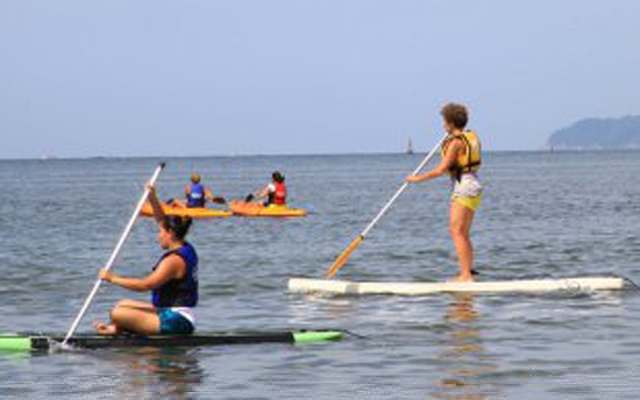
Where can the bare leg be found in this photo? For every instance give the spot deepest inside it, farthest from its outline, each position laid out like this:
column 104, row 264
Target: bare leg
column 136, row 304
column 132, row 316
column 459, row 226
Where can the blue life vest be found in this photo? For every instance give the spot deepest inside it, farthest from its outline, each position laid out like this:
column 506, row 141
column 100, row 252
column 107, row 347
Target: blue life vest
column 196, row 197
column 179, row 292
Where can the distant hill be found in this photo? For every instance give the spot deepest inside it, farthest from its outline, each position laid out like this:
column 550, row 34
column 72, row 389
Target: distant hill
column 598, row 133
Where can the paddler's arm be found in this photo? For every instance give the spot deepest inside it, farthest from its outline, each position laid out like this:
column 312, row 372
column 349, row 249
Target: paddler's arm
column 158, row 214
column 447, row 161
column 270, row 188
column 265, row 192
column 208, row 195
column 258, row 195
column 171, row 267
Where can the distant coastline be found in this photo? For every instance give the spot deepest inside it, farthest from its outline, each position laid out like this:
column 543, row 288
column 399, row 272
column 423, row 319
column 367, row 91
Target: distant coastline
column 598, row 134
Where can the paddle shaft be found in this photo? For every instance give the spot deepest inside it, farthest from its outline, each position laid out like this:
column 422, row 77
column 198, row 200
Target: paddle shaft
column 340, row 261
column 115, row 253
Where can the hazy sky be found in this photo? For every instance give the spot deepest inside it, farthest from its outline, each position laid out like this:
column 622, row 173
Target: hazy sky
column 138, row 77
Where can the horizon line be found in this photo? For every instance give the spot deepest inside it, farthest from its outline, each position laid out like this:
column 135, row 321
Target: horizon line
column 232, row 155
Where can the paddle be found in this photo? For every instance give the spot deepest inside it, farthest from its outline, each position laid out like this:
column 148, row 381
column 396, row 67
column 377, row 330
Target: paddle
column 218, row 200
column 342, row 259
column 115, row 253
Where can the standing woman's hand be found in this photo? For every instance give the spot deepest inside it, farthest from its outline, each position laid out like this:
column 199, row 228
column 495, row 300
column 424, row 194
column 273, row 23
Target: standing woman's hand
column 413, row 179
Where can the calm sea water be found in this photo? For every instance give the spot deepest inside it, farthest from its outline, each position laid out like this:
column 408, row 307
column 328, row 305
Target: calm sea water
column 558, row 215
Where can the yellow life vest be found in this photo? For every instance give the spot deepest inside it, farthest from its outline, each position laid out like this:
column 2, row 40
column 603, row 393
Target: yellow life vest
column 470, row 159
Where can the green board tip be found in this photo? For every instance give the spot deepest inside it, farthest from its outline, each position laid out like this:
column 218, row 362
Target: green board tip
column 317, row 336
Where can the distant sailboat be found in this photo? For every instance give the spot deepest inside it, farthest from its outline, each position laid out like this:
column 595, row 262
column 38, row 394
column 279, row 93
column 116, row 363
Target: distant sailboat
column 410, row 147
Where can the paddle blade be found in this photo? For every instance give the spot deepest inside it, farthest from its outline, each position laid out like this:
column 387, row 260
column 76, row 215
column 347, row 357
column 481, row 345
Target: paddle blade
column 218, row 200
column 340, row 261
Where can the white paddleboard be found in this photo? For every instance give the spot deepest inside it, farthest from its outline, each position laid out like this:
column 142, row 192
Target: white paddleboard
column 302, row 285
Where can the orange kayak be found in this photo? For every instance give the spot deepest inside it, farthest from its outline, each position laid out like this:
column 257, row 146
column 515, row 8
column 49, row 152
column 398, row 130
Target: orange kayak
column 241, row 208
column 203, row 212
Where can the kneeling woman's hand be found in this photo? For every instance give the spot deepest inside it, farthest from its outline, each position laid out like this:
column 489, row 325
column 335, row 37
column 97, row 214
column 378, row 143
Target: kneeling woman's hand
column 105, row 275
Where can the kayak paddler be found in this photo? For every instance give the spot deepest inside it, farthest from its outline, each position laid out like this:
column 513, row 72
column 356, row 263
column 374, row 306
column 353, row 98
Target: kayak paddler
column 173, row 284
column 274, row 193
column 197, row 195
column 461, row 157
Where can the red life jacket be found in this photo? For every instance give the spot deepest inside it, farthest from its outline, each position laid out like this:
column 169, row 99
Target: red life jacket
column 280, row 196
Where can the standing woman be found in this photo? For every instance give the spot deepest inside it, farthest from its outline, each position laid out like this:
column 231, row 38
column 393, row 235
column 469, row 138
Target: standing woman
column 173, row 284
column 461, row 160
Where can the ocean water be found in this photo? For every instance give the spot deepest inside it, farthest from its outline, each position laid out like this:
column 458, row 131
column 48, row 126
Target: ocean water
column 544, row 215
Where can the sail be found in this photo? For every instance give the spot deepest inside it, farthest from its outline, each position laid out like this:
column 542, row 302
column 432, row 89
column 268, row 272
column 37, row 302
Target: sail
column 410, row 147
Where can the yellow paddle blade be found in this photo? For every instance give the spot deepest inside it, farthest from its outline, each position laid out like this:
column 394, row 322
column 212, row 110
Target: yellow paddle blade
column 340, row 261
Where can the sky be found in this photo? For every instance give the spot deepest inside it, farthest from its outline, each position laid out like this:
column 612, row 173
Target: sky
column 206, row 77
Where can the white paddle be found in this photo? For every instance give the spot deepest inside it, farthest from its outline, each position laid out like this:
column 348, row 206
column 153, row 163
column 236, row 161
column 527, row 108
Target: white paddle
column 115, row 253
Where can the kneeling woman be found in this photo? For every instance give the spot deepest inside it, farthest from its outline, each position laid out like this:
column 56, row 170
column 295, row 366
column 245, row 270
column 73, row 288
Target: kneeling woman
column 173, row 284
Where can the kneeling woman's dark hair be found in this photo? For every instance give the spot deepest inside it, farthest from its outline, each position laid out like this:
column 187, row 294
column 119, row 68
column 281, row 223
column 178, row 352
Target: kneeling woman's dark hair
column 179, row 226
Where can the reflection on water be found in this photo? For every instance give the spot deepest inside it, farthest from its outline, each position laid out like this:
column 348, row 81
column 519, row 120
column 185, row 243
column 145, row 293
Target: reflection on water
column 464, row 358
column 173, row 373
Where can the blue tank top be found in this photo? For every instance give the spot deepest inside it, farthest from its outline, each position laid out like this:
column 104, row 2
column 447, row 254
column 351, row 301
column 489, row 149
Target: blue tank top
column 196, row 196
column 179, row 292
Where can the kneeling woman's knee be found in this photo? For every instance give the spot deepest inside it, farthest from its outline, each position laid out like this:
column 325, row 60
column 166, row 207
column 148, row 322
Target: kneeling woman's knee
column 125, row 303
column 116, row 313
column 121, row 303
column 120, row 310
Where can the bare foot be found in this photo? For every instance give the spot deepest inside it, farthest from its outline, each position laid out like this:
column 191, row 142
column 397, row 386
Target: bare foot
column 105, row 329
column 462, row 278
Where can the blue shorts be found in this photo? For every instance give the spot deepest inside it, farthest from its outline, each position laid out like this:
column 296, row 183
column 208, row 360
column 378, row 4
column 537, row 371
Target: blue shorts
column 173, row 323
